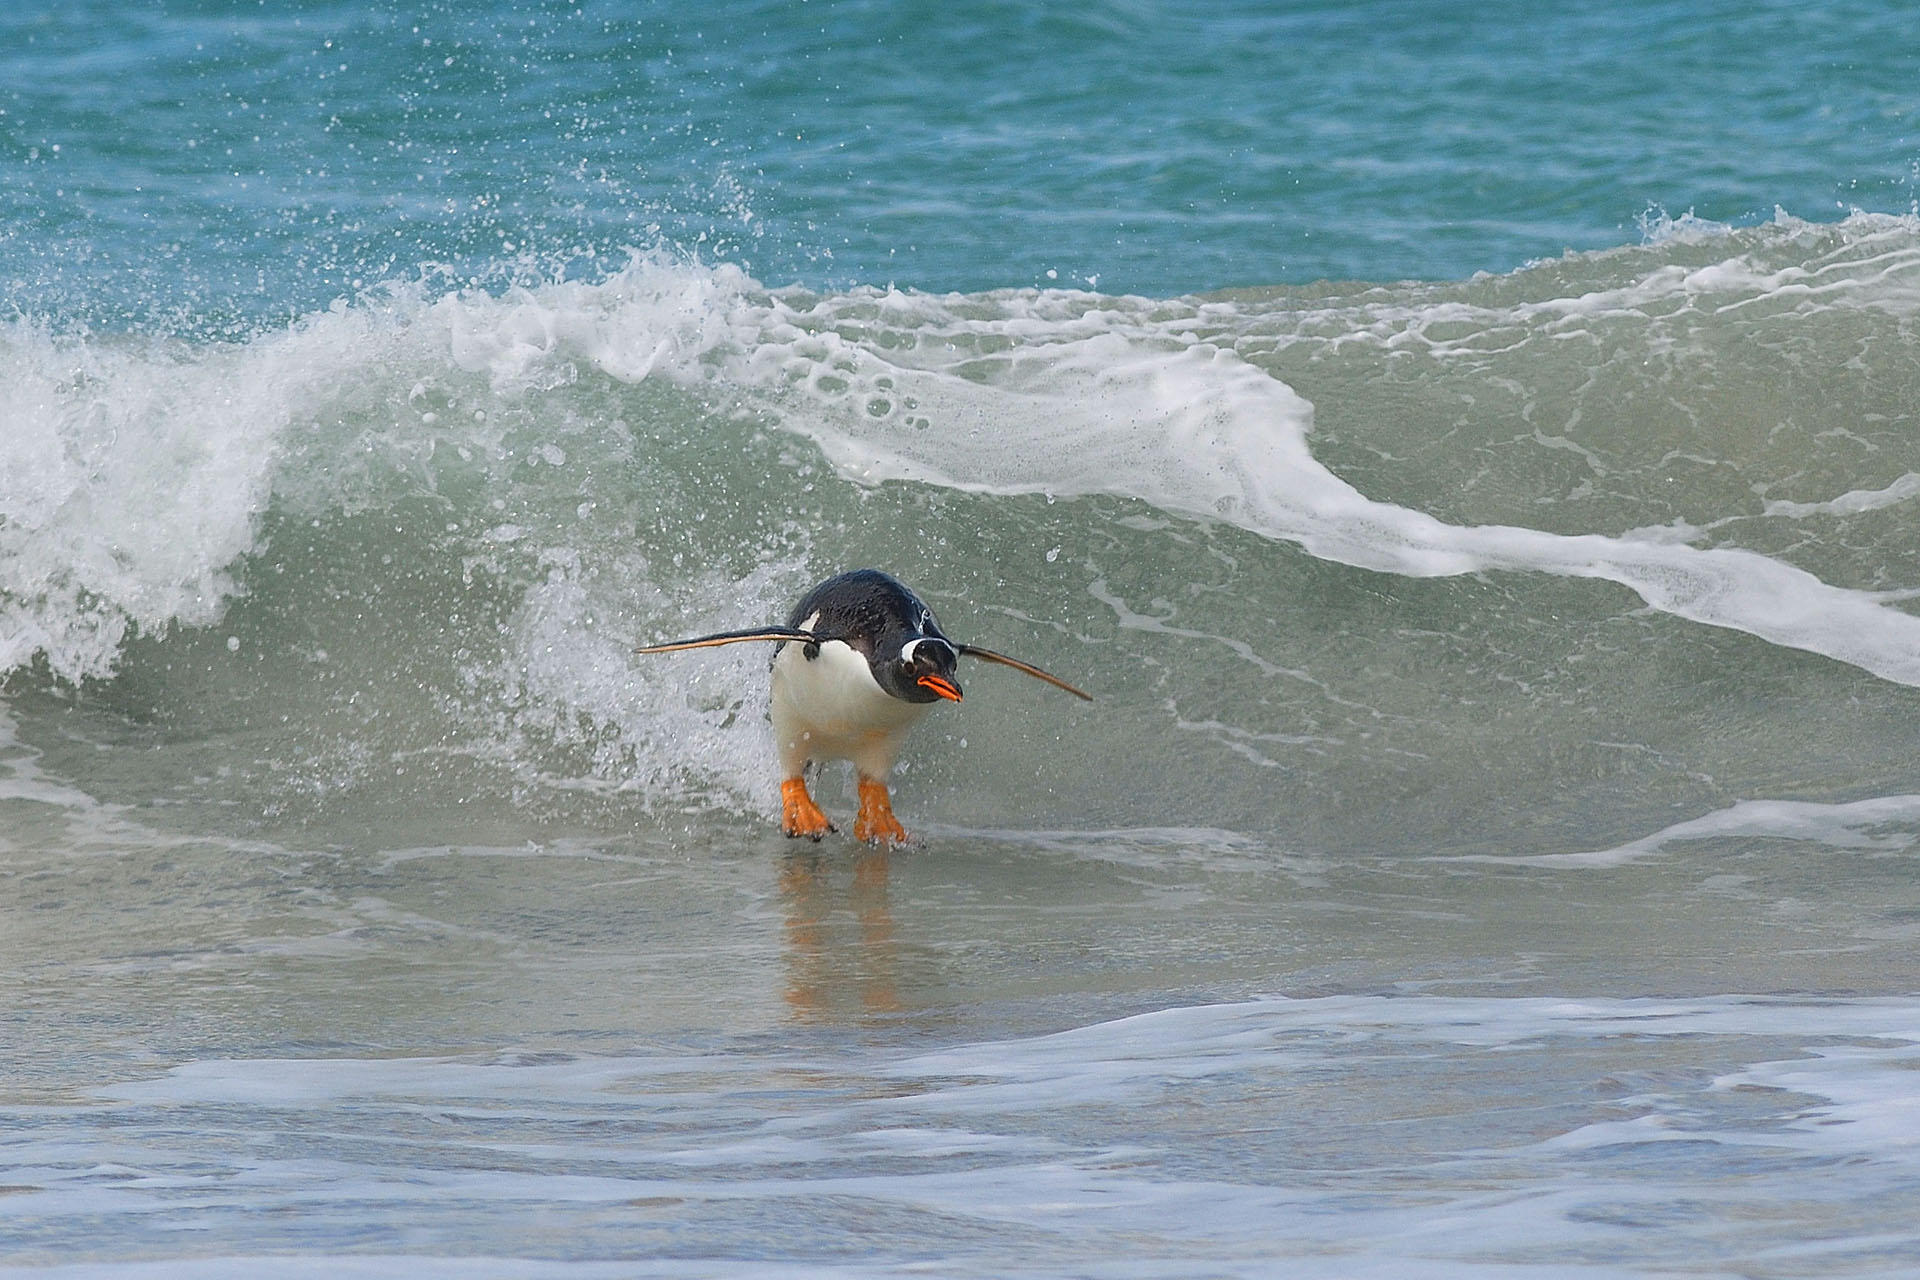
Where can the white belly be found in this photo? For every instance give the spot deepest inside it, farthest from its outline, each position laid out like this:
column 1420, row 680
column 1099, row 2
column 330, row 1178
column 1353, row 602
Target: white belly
column 830, row 708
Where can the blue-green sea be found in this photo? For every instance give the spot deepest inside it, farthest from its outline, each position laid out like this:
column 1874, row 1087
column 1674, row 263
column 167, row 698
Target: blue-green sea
column 1468, row 452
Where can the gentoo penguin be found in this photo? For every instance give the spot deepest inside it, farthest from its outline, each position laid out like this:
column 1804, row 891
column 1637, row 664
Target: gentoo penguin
column 860, row 661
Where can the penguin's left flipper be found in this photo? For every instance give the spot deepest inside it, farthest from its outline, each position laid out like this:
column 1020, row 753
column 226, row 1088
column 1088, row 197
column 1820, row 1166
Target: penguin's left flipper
column 732, row 637
column 975, row 651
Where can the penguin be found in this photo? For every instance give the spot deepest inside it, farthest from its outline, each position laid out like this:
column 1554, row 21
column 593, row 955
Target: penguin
column 859, row 663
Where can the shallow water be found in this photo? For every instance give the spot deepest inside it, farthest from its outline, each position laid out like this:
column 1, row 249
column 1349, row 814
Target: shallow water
column 1490, row 849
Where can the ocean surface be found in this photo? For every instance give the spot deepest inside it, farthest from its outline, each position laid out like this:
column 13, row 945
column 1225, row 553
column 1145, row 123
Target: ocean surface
column 1471, row 453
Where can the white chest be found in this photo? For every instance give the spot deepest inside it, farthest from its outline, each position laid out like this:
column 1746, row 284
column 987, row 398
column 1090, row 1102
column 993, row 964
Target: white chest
column 830, row 707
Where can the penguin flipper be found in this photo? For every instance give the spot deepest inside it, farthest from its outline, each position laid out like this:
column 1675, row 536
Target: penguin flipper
column 975, row 651
column 732, row 637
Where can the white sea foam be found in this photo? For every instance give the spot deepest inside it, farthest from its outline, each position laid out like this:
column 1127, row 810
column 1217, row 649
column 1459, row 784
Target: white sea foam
column 130, row 479
column 1110, row 1059
column 1883, row 824
column 1479, row 1136
column 134, row 474
column 1852, row 502
column 673, row 715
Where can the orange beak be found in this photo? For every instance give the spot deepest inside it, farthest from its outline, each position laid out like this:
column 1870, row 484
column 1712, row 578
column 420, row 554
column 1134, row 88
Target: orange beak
column 940, row 685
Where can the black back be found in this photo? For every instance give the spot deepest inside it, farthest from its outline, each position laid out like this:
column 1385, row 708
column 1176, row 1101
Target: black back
column 870, row 610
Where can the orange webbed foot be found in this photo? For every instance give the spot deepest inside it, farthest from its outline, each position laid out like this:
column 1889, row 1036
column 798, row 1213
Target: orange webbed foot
column 875, row 821
column 799, row 815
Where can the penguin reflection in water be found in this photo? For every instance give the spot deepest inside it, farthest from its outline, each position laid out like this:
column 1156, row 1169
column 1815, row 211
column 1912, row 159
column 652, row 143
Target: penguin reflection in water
column 860, row 661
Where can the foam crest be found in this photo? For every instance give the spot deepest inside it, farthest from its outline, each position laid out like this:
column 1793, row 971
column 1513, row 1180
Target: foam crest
column 134, row 472
column 1191, row 427
column 1868, row 263
column 130, row 479
column 655, row 315
column 133, row 476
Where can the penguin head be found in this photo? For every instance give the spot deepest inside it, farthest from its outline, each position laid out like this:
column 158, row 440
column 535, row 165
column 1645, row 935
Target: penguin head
column 921, row 669
column 877, row 616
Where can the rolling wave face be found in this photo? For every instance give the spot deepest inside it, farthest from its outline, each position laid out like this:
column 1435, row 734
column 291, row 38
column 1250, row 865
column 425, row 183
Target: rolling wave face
column 1559, row 557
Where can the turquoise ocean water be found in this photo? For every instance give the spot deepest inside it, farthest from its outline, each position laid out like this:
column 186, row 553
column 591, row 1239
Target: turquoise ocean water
column 1470, row 453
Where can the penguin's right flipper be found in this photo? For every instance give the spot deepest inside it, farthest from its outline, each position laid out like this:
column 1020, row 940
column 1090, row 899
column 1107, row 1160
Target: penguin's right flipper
column 732, row 637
